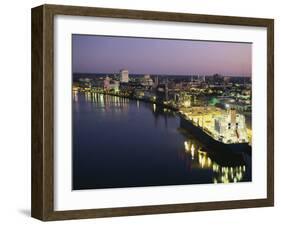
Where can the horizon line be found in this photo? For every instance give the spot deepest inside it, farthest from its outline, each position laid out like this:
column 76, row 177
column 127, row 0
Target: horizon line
column 161, row 74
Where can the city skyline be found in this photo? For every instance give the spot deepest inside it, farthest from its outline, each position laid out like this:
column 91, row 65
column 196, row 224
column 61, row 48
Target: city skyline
column 198, row 126
column 109, row 54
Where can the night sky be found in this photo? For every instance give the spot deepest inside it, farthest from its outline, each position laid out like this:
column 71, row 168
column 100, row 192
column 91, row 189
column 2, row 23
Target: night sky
column 107, row 54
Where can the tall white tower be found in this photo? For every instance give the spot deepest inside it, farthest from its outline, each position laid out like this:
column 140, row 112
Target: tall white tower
column 124, row 76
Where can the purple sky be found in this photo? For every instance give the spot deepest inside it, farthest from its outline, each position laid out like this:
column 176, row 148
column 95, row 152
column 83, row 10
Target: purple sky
column 106, row 54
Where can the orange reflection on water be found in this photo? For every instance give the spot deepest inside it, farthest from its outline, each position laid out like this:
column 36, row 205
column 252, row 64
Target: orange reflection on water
column 221, row 173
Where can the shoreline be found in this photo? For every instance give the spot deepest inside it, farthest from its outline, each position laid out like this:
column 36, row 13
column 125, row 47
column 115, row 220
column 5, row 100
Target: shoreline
column 177, row 111
column 135, row 98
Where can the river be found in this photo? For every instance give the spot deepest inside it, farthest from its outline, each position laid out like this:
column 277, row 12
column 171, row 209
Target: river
column 119, row 142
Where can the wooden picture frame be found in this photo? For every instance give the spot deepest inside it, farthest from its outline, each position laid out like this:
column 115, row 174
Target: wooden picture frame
column 42, row 205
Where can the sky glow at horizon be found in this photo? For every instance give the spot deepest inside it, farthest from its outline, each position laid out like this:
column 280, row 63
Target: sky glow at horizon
column 109, row 54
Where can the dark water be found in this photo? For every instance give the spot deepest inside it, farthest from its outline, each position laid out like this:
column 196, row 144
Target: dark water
column 119, row 142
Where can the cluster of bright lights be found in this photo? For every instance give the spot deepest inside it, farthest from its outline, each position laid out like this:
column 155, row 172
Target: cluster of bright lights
column 215, row 122
column 222, row 174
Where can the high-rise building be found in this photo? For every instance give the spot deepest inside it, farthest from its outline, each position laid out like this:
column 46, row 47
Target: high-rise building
column 124, row 76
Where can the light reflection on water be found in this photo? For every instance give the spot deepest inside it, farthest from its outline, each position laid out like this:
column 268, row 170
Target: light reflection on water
column 221, row 173
column 104, row 102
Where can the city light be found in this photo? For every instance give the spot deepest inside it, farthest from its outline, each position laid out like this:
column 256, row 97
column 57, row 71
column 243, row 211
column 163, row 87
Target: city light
column 221, row 174
column 204, row 107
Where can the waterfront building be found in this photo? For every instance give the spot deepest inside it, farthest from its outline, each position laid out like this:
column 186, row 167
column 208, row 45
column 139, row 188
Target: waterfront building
column 106, row 83
column 114, row 85
column 231, row 127
column 85, row 80
column 75, row 86
column 124, row 76
column 224, row 126
column 110, row 85
column 85, row 83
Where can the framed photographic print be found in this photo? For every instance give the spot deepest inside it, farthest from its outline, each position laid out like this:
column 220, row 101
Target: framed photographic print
column 141, row 112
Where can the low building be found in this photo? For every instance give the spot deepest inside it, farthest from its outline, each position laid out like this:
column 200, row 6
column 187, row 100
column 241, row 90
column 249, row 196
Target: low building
column 110, row 85
column 231, row 127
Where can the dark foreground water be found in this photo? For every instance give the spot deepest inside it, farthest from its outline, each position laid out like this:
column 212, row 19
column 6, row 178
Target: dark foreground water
column 119, row 142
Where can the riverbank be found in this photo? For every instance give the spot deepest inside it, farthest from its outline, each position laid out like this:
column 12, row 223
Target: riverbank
column 159, row 104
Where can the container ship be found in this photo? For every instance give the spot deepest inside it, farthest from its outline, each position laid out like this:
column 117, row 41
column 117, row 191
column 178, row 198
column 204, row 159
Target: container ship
column 217, row 129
